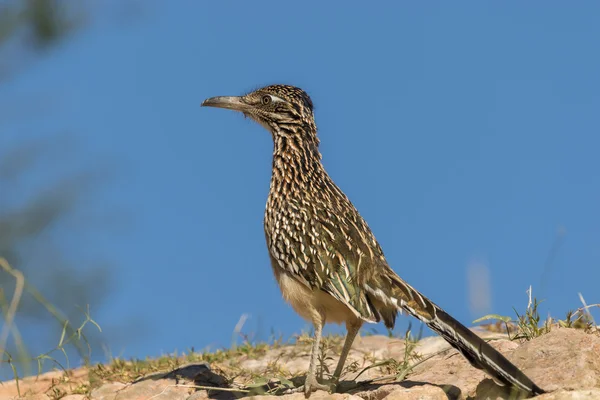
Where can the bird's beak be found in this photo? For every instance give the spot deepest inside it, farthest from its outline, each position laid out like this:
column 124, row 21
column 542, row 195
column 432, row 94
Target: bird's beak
column 229, row 102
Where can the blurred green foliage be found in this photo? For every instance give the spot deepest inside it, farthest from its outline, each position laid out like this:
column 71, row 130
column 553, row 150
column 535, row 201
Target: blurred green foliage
column 44, row 21
column 36, row 213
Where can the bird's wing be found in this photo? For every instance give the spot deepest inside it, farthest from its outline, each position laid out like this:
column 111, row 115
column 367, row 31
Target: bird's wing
column 343, row 256
column 335, row 253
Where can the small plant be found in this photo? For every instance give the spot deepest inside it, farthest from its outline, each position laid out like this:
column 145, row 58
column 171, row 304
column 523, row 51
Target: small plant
column 528, row 325
column 580, row 319
column 410, row 353
column 405, row 367
column 399, row 369
column 71, row 335
column 329, row 344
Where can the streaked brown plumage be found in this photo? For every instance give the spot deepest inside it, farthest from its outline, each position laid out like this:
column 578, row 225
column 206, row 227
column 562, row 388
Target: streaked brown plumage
column 325, row 258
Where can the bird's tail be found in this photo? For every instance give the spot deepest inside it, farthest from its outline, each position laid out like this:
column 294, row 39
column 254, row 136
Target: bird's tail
column 479, row 353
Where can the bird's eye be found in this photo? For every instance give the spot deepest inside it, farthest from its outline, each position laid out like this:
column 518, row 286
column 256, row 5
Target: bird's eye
column 266, row 99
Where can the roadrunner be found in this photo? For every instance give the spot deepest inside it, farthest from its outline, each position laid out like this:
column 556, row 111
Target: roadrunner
column 325, row 258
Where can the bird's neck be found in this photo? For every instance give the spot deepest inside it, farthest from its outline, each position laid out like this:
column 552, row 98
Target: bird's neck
column 296, row 163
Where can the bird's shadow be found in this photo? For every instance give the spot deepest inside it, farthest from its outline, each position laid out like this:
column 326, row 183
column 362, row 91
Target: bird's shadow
column 217, row 386
column 486, row 389
column 452, row 392
column 200, row 375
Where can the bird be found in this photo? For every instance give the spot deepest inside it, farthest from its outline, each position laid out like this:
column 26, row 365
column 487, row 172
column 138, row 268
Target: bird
column 325, row 258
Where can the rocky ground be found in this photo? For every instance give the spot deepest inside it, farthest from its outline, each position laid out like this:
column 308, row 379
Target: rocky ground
column 565, row 362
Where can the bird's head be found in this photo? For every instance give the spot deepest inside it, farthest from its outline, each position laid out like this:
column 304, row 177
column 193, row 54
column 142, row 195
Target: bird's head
column 283, row 110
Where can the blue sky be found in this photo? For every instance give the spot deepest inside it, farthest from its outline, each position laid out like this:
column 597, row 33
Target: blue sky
column 465, row 134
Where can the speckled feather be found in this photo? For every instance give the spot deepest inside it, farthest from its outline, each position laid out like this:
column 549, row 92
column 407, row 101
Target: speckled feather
column 316, row 236
column 313, row 231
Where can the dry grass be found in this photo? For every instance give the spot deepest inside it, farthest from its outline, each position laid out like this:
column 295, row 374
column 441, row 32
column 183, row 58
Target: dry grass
column 273, row 378
column 529, row 325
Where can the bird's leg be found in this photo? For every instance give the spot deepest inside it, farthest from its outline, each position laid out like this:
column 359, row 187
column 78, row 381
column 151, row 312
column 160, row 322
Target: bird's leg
column 352, row 327
column 311, row 384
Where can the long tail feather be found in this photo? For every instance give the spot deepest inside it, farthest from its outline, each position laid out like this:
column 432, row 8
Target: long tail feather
column 476, row 350
column 480, row 354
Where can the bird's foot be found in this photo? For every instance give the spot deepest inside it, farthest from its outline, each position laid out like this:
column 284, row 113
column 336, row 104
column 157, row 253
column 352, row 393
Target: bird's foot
column 311, row 384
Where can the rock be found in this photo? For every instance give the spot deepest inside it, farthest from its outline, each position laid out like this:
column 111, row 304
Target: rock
column 178, row 384
column 199, row 395
column 562, row 394
column 108, row 391
column 565, row 362
column 562, row 359
column 318, row 395
column 73, row 397
column 37, row 396
column 162, row 389
column 378, row 392
column 43, row 383
column 420, row 392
